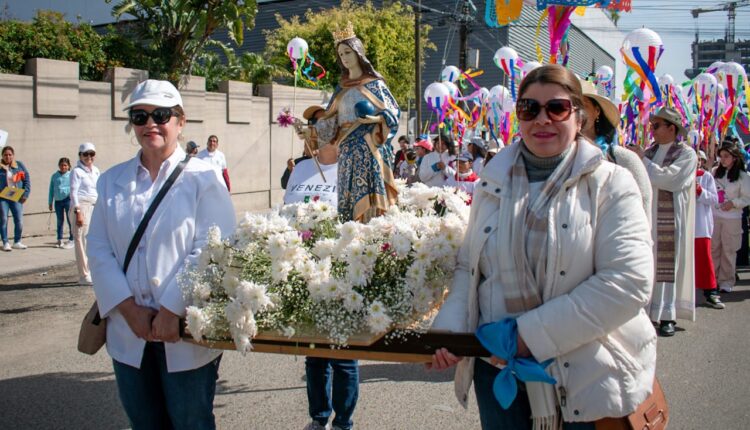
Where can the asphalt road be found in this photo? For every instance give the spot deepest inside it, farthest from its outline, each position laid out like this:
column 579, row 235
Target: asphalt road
column 46, row 383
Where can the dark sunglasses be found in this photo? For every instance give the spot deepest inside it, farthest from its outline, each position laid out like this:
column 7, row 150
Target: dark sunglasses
column 159, row 115
column 88, row 154
column 557, row 109
column 657, row 125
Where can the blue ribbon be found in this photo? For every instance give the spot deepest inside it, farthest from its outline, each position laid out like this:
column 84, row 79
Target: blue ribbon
column 499, row 338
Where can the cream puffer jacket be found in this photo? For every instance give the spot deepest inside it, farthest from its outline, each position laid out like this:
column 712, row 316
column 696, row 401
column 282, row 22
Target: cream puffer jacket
column 601, row 267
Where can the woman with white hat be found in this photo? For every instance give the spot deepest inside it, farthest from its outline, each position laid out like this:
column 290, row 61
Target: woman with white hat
column 600, row 127
column 162, row 381
column 83, row 195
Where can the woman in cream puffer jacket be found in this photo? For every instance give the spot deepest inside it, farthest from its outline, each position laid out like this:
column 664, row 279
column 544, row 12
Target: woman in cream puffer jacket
column 601, row 268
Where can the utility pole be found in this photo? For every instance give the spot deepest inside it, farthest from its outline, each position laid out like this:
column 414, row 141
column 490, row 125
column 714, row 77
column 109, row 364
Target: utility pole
column 465, row 19
column 417, row 69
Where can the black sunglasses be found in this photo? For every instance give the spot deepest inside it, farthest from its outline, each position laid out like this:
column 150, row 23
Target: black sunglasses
column 88, row 154
column 557, row 109
column 159, row 115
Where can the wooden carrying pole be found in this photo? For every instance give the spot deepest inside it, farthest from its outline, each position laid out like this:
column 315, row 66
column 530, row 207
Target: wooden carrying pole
column 416, row 348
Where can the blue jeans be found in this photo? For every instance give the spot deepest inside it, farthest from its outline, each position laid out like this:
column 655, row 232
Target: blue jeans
column 518, row 415
column 62, row 207
column 339, row 393
column 16, row 209
column 155, row 399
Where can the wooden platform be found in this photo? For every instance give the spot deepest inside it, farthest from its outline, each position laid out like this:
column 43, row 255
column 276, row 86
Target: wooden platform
column 416, row 348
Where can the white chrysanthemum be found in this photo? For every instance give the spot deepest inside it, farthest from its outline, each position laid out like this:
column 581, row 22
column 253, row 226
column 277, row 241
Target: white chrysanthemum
column 280, row 270
column 242, row 342
column 196, row 322
column 371, row 254
column 357, row 274
column 349, row 231
column 401, row 245
column 353, row 301
column 422, row 300
column 230, row 284
column 376, row 307
column 416, row 273
column 253, row 296
column 201, row 293
column 214, row 236
column 318, row 291
column 324, row 248
column 378, row 322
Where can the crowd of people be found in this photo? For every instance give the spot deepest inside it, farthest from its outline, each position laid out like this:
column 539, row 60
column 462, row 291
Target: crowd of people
column 591, row 250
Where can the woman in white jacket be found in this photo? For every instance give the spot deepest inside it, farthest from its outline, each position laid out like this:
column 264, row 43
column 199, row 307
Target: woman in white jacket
column 733, row 186
column 559, row 240
column 163, row 382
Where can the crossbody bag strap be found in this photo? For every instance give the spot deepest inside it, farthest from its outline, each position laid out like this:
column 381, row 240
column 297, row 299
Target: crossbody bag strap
column 150, row 212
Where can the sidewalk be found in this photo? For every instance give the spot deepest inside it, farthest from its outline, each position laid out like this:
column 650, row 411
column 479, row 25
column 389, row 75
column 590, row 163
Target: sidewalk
column 40, row 256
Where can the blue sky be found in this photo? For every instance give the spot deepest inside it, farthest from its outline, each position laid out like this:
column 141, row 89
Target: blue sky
column 670, row 18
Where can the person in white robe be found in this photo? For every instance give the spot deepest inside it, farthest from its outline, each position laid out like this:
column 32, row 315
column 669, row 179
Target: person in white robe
column 671, row 167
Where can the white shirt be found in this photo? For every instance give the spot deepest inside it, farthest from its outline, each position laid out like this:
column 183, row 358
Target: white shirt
column 305, row 182
column 216, row 159
column 704, row 218
column 174, row 237
column 83, row 184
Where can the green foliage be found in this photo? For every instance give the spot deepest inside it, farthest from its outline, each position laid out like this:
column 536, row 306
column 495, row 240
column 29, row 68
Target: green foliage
column 387, row 33
column 50, row 36
column 249, row 67
column 174, row 33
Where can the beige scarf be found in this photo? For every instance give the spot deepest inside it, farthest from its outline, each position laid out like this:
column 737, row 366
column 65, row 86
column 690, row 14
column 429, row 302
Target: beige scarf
column 524, row 277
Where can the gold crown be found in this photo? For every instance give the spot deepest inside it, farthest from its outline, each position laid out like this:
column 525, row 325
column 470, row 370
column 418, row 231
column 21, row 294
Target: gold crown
column 347, row 33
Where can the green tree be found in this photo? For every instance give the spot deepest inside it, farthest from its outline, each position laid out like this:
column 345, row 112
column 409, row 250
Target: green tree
column 48, row 35
column 248, row 67
column 176, row 32
column 387, row 33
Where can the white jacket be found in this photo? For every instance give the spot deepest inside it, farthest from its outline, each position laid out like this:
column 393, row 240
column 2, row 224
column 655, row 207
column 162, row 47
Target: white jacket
column 738, row 192
column 432, row 177
column 176, row 233
column 599, row 261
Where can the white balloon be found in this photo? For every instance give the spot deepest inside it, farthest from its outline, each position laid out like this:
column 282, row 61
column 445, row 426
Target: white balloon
column 436, row 95
column 707, row 85
column 504, row 56
column 734, row 71
column 450, row 74
column 528, row 67
column 484, row 95
column 501, row 98
column 455, row 93
column 604, row 74
column 665, row 80
column 643, row 39
column 716, row 66
column 297, row 48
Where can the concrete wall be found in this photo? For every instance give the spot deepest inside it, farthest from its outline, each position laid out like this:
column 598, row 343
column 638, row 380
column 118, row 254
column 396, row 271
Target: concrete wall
column 49, row 112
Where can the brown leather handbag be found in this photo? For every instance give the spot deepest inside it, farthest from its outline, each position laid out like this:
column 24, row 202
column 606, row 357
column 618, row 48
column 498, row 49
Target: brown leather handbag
column 652, row 414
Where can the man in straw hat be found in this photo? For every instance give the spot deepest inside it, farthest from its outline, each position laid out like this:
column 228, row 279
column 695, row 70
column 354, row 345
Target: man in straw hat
column 671, row 167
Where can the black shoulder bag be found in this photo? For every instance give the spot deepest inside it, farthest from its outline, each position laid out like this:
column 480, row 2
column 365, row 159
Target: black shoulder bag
column 93, row 333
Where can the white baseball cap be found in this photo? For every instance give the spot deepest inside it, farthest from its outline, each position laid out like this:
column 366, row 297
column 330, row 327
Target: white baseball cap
column 85, row 147
column 155, row 93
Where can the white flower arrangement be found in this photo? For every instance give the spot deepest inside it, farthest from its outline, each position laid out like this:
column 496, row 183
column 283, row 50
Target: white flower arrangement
column 299, row 267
